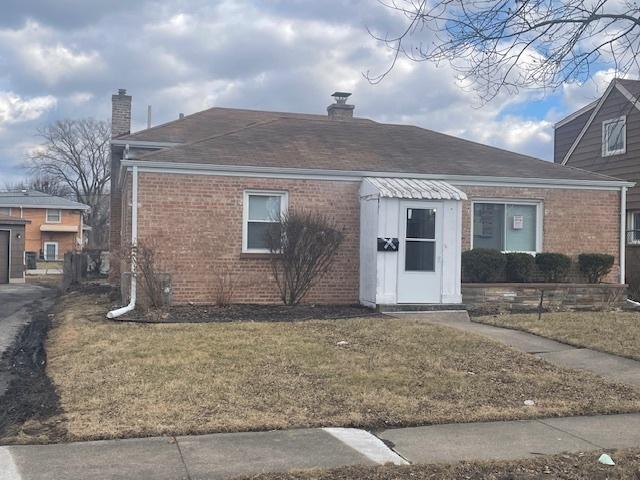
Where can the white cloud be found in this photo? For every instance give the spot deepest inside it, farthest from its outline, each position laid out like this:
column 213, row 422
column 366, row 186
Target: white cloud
column 16, row 109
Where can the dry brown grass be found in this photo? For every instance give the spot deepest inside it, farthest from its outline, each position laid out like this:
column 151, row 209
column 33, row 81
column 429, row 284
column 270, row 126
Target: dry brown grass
column 125, row 379
column 611, row 332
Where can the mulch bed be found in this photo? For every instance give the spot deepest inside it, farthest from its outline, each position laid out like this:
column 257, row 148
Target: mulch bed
column 248, row 313
column 31, row 395
column 576, row 466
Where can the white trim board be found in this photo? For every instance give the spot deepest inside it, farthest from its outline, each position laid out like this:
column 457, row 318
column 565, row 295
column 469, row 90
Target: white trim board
column 347, row 175
column 623, row 91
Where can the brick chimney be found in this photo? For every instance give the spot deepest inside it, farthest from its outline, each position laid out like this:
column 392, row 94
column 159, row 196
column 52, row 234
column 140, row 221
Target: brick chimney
column 120, row 113
column 340, row 110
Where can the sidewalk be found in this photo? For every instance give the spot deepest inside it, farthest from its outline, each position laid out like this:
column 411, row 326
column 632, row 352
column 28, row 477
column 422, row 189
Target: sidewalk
column 226, row 456
column 612, row 367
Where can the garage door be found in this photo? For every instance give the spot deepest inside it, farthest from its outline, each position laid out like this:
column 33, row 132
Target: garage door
column 4, row 256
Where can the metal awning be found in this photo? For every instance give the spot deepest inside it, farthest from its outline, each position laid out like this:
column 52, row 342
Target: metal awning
column 415, row 188
column 59, row 228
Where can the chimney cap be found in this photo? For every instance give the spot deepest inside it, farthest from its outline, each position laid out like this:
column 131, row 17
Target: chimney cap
column 341, row 97
column 122, row 91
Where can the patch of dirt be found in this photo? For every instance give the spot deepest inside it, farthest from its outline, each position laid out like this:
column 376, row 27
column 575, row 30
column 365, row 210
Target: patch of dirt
column 96, row 288
column 248, row 313
column 577, row 466
column 31, row 399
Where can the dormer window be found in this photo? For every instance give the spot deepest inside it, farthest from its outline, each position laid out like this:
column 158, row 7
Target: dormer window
column 614, row 136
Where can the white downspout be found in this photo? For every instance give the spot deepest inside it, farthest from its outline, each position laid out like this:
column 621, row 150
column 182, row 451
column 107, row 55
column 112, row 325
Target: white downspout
column 134, row 242
column 623, row 232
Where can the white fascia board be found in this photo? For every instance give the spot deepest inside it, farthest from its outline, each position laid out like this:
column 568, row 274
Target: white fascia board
column 589, row 122
column 143, row 144
column 635, row 101
column 576, row 114
column 346, row 175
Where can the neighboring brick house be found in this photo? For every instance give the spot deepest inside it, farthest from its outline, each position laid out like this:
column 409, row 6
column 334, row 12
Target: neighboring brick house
column 207, row 183
column 604, row 137
column 55, row 223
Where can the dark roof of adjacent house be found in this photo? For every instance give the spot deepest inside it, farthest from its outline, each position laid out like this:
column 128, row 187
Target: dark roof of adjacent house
column 314, row 142
column 7, row 220
column 35, row 199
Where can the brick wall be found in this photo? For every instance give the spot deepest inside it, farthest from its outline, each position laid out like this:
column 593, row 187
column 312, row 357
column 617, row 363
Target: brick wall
column 574, row 221
column 196, row 221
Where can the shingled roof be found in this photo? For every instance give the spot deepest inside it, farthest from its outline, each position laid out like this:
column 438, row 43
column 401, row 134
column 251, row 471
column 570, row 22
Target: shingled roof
column 35, row 199
column 268, row 139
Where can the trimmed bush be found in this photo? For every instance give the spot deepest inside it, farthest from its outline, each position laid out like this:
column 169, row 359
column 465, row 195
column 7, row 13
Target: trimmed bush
column 595, row 266
column 519, row 267
column 554, row 267
column 482, row 265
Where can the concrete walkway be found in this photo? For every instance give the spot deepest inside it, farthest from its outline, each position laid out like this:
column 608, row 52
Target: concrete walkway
column 226, row 456
column 612, row 367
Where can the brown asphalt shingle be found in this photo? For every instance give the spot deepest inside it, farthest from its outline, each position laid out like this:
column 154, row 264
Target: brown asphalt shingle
column 305, row 141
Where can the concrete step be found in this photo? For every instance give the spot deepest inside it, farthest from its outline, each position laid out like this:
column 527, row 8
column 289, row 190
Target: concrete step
column 421, row 307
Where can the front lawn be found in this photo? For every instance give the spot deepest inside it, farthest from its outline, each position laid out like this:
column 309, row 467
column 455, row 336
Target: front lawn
column 125, row 379
column 611, row 332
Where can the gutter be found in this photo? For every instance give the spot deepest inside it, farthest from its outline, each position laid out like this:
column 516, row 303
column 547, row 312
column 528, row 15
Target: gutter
column 134, row 241
column 623, row 232
column 248, row 170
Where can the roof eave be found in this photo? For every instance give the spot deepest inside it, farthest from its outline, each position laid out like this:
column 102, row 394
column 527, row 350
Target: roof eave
column 357, row 174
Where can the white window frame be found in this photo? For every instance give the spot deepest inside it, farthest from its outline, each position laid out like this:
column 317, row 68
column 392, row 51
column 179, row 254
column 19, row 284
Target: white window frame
column 539, row 220
column 605, row 144
column 284, row 204
column 45, row 250
column 53, row 210
column 631, row 225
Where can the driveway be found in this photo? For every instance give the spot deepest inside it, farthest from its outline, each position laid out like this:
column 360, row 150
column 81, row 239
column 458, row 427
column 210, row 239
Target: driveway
column 17, row 302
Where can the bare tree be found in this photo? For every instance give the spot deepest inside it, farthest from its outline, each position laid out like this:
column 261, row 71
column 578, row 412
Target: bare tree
column 41, row 183
column 303, row 247
column 76, row 153
column 509, row 44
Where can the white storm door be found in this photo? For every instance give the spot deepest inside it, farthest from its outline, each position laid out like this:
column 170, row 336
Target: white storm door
column 420, row 261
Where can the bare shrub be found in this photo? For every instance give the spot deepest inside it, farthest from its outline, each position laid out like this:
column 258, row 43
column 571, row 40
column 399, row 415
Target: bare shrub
column 303, row 245
column 149, row 276
column 225, row 288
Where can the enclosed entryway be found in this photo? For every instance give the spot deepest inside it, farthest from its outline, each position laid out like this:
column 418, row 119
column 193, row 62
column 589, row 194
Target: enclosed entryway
column 12, row 231
column 4, row 256
column 410, row 241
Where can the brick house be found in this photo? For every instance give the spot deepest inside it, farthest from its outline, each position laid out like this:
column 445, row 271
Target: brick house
column 54, row 223
column 203, row 187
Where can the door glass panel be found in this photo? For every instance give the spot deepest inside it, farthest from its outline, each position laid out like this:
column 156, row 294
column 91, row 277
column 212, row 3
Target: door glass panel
column 419, row 256
column 521, row 228
column 421, row 223
column 488, row 226
column 50, row 254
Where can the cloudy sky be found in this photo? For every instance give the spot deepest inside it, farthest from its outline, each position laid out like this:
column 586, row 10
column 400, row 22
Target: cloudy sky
column 64, row 59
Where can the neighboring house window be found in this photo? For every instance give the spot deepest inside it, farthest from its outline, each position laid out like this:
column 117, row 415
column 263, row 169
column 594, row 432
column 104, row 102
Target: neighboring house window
column 54, row 216
column 50, row 250
column 508, row 227
column 614, row 136
column 262, row 209
column 5, row 211
column 633, row 227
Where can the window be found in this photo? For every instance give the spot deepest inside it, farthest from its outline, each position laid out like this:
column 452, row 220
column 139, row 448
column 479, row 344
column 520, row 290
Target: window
column 614, row 136
column 50, row 250
column 5, row 211
column 261, row 211
column 54, row 216
column 633, row 227
column 420, row 240
column 508, row 227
